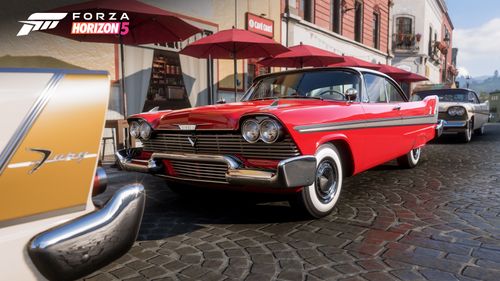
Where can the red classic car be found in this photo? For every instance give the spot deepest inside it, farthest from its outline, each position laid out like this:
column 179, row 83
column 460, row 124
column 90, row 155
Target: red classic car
column 298, row 132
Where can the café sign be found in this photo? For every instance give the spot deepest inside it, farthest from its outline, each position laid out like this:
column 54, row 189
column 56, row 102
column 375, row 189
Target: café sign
column 260, row 25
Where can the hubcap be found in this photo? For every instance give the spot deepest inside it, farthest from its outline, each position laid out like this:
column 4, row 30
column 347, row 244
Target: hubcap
column 326, row 181
column 415, row 154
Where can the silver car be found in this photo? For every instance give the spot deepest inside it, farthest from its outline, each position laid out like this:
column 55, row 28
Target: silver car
column 462, row 111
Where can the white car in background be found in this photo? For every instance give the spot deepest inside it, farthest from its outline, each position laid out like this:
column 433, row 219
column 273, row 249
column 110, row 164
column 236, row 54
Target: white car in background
column 462, row 111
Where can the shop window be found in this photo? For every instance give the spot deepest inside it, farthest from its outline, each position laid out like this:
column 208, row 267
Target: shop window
column 166, row 86
column 358, row 21
column 254, row 70
column 337, row 16
column 376, row 30
column 307, row 10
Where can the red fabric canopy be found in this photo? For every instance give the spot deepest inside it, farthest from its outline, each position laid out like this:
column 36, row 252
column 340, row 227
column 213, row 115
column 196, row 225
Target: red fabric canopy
column 234, row 44
column 148, row 24
column 303, row 55
column 355, row 62
column 410, row 77
column 391, row 70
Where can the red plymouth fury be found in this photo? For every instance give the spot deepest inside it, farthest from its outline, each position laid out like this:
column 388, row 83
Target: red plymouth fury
column 299, row 132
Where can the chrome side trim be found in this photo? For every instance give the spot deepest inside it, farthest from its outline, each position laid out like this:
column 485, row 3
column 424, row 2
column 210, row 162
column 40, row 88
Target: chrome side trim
column 371, row 123
column 81, row 246
column 28, row 120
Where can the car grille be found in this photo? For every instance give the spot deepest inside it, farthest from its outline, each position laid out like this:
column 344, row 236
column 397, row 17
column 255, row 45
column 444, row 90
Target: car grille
column 190, row 170
column 220, row 144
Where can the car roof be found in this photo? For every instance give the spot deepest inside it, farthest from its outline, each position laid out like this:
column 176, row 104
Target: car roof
column 358, row 70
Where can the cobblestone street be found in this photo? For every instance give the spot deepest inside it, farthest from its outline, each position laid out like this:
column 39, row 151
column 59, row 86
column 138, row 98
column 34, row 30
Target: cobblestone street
column 439, row 221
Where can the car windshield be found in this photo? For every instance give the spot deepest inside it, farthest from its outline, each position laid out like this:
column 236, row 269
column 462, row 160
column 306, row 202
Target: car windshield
column 327, row 84
column 447, row 95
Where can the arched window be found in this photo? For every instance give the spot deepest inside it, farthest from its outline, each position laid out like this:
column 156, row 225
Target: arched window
column 404, row 25
column 404, row 37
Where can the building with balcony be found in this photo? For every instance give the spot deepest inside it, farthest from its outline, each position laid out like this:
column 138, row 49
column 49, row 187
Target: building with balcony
column 358, row 28
column 422, row 39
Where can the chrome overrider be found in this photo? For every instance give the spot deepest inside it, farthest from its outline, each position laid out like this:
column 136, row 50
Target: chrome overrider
column 292, row 172
column 439, row 128
column 80, row 246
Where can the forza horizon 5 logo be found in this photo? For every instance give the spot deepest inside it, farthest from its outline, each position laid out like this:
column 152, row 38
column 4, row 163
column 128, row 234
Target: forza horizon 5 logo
column 82, row 23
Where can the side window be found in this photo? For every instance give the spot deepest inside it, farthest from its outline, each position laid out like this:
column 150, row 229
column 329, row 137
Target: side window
column 393, row 93
column 473, row 98
column 375, row 88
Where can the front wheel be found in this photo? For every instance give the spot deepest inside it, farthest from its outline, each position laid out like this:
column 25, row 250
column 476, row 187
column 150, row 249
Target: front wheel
column 318, row 199
column 410, row 159
column 467, row 135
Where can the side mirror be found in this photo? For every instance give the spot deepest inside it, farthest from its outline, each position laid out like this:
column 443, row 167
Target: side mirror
column 471, row 100
column 351, row 94
column 221, row 101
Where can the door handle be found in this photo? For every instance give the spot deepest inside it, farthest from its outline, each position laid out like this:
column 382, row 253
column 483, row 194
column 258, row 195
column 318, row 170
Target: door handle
column 397, row 107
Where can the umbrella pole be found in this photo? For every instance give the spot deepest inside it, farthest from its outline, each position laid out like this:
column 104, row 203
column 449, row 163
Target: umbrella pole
column 124, row 96
column 235, row 78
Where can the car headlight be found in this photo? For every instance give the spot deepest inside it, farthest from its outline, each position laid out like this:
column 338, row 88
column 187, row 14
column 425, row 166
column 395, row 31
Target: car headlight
column 145, row 131
column 135, row 129
column 250, row 130
column 270, row 131
column 456, row 111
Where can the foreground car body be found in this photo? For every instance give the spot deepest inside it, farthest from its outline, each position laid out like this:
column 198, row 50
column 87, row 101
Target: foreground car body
column 461, row 110
column 49, row 227
column 298, row 132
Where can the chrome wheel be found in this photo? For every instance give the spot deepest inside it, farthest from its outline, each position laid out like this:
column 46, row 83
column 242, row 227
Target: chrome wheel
column 326, row 181
column 415, row 155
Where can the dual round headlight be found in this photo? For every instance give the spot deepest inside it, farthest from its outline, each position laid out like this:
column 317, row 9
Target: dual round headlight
column 140, row 130
column 267, row 130
column 456, row 111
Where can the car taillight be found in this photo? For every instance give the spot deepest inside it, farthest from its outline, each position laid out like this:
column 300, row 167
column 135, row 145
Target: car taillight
column 100, row 181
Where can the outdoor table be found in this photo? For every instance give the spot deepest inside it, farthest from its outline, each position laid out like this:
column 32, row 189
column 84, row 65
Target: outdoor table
column 123, row 140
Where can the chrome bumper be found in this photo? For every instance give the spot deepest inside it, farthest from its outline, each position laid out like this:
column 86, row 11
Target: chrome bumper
column 85, row 244
column 439, row 128
column 292, row 172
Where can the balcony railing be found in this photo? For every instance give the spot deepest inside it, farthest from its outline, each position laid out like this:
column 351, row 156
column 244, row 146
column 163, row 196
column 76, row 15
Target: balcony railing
column 405, row 42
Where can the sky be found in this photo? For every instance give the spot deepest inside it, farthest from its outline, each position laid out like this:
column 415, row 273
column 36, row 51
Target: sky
column 476, row 35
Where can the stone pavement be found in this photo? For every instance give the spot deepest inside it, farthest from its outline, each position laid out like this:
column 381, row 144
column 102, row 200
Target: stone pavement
column 439, row 221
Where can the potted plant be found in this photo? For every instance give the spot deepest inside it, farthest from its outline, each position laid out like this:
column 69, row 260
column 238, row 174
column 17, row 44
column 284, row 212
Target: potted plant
column 418, row 36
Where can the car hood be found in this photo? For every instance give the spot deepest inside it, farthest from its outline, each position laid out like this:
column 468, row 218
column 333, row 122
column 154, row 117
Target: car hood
column 443, row 106
column 224, row 116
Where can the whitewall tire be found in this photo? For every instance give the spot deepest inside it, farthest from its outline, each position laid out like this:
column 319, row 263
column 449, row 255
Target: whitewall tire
column 319, row 199
column 410, row 159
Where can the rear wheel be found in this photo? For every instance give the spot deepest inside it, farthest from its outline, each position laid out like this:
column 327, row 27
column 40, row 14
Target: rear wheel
column 479, row 131
column 410, row 159
column 319, row 199
column 467, row 135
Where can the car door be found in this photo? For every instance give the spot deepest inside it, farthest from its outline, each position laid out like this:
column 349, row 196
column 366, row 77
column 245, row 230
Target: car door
column 382, row 132
column 407, row 133
column 481, row 110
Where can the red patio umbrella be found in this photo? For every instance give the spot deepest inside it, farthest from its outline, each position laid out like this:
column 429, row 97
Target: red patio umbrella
column 147, row 24
column 234, row 44
column 410, row 77
column 303, row 55
column 392, row 70
column 355, row 62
